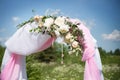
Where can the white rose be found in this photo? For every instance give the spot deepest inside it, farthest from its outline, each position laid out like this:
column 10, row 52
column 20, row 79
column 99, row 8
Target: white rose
column 57, row 33
column 40, row 24
column 68, row 36
column 60, row 21
column 48, row 22
column 64, row 28
column 75, row 44
column 37, row 18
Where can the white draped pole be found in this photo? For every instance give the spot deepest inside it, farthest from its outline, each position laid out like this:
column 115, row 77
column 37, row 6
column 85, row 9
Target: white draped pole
column 21, row 44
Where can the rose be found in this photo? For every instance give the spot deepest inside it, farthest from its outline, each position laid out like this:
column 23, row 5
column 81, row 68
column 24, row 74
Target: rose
column 68, row 36
column 75, row 44
column 64, row 28
column 48, row 22
column 40, row 24
column 38, row 18
column 60, row 21
column 57, row 33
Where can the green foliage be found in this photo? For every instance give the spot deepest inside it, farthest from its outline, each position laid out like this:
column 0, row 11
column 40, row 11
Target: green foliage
column 38, row 68
column 117, row 52
column 102, row 52
column 53, row 54
column 49, row 55
column 28, row 21
column 53, row 71
column 111, row 71
column 2, row 49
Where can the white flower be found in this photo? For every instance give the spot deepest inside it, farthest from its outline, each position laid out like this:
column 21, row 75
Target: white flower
column 57, row 33
column 75, row 44
column 68, row 36
column 60, row 21
column 40, row 24
column 48, row 22
column 37, row 18
column 64, row 28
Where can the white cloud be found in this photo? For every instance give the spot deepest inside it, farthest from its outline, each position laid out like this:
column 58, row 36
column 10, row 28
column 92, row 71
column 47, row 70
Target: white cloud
column 115, row 35
column 15, row 19
column 89, row 23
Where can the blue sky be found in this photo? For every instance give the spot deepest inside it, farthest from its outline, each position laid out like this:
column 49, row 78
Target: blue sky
column 101, row 16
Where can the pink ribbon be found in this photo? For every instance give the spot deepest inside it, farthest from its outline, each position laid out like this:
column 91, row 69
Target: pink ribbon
column 12, row 69
column 91, row 70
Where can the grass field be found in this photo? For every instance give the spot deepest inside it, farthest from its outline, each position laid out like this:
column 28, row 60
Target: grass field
column 72, row 69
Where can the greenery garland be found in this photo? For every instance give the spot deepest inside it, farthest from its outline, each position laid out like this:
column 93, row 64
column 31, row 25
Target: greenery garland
column 60, row 27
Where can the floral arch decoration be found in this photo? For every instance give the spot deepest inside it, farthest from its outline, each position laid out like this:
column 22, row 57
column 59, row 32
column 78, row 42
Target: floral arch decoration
column 38, row 33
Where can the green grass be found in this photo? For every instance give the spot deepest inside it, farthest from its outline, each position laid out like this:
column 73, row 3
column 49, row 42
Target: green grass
column 111, row 72
column 53, row 71
column 111, row 59
column 72, row 69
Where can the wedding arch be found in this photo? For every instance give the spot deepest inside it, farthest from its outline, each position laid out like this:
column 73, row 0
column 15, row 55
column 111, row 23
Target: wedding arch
column 38, row 33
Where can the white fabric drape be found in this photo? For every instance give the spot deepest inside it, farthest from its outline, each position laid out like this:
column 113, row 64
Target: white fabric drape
column 24, row 43
column 97, row 57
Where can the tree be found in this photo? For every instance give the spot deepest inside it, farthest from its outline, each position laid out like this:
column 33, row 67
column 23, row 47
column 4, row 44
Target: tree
column 102, row 52
column 117, row 52
column 2, row 49
column 111, row 52
column 50, row 54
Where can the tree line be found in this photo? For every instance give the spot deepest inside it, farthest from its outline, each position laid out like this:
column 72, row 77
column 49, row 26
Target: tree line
column 103, row 52
column 54, row 52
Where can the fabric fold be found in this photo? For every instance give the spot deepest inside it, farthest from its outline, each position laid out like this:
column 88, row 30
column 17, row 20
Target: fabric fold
column 92, row 68
column 15, row 68
column 21, row 44
column 24, row 43
column 12, row 69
